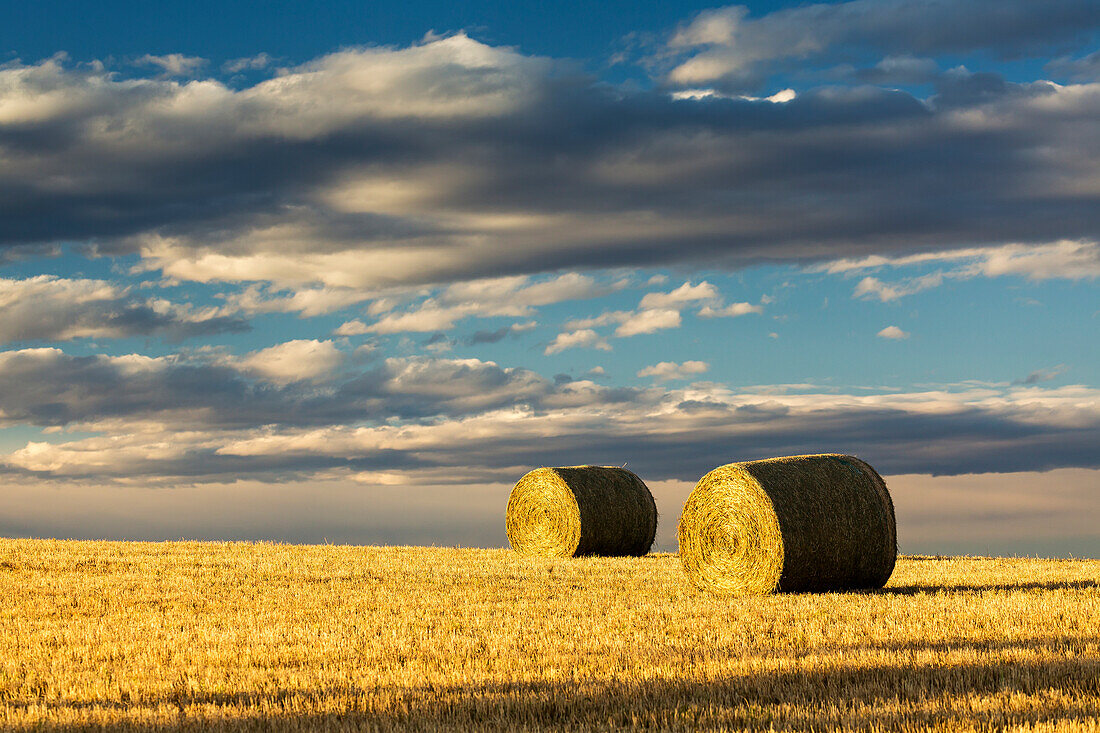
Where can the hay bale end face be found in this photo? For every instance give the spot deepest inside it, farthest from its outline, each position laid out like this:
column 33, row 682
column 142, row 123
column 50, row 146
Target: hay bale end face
column 801, row 523
column 581, row 510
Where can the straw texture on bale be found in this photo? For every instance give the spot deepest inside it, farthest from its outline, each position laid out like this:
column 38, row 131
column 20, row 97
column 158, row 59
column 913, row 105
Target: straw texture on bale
column 801, row 523
column 581, row 510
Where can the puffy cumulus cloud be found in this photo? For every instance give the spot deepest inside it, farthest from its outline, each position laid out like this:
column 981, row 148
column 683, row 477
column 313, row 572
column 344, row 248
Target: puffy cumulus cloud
column 663, row 434
column 581, row 338
column 295, row 361
column 658, row 311
column 649, row 321
column 686, row 293
column 353, row 327
column 893, row 333
column 48, row 308
column 730, row 48
column 669, row 370
column 451, row 161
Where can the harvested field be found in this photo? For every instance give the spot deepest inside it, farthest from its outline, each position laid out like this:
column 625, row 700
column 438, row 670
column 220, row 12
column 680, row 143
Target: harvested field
column 146, row 636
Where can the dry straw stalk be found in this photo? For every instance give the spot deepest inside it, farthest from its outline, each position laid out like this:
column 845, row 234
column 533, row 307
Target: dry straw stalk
column 801, row 523
column 581, row 510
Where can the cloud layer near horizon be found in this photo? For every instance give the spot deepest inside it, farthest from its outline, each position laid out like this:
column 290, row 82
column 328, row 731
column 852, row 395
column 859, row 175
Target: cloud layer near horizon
column 429, row 420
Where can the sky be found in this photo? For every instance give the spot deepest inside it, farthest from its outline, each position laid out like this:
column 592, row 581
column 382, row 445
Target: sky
column 345, row 272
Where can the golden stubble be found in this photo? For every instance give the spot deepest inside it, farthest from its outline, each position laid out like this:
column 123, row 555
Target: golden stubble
column 143, row 636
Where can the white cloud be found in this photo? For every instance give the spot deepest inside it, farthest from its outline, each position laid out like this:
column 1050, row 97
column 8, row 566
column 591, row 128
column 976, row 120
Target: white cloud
column 1066, row 259
column 293, row 361
column 660, row 311
column 892, row 332
column 727, row 45
column 352, row 328
column 583, row 338
column 872, row 287
column 686, row 293
column 507, row 296
column 247, row 63
column 306, row 302
column 730, row 311
column 669, row 370
column 604, row 319
column 649, row 321
column 780, row 97
column 1071, row 260
column 174, row 64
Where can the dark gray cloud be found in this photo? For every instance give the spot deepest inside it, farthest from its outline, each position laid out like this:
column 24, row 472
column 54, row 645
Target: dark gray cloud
column 467, row 161
column 488, row 337
column 48, row 387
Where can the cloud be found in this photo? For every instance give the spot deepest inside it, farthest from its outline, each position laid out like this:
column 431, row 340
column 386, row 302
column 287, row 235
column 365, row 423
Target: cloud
column 892, row 332
column 351, row 328
column 451, row 161
column 48, row 308
column 247, row 63
column 686, row 293
column 872, row 287
column 1042, row 375
column 300, row 382
column 508, row 296
column 649, row 321
column 174, row 64
column 492, row 337
column 582, row 338
column 668, row 370
column 659, row 311
column 730, row 311
column 1068, row 260
column 1072, row 260
column 1086, row 68
column 294, row 361
column 428, row 420
column 737, row 51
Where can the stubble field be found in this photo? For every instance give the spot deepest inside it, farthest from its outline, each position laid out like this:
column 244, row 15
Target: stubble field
column 160, row 636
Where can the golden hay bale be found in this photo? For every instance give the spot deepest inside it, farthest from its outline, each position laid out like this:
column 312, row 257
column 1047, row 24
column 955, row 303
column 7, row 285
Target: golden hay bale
column 581, row 510
column 823, row 522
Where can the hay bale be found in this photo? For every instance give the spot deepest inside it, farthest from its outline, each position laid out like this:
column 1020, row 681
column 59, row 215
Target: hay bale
column 802, row 523
column 581, row 510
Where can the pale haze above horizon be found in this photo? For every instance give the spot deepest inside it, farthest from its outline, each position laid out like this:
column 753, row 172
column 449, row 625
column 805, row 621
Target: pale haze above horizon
column 344, row 273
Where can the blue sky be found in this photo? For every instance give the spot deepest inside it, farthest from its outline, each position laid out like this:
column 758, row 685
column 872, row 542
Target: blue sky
column 376, row 261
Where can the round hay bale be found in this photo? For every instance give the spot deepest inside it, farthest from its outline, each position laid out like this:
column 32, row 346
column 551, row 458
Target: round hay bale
column 802, row 523
column 581, row 510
